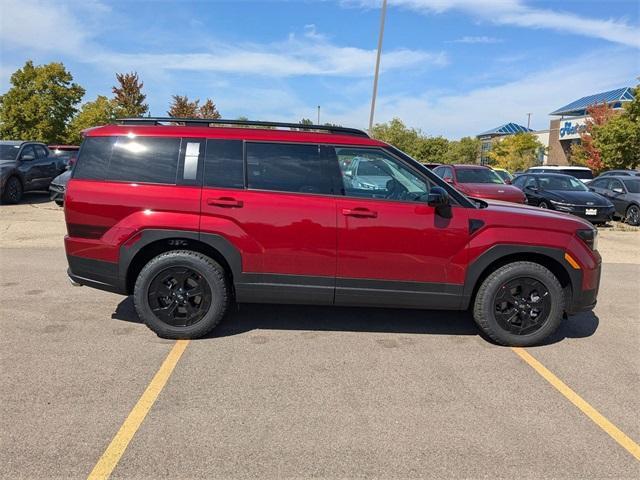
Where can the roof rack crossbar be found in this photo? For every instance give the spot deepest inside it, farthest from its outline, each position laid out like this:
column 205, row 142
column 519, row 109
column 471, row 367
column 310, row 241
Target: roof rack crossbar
column 198, row 122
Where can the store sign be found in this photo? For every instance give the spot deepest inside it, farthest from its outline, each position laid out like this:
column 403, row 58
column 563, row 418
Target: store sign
column 573, row 128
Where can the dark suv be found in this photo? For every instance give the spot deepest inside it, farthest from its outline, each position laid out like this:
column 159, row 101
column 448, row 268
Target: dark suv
column 191, row 217
column 24, row 166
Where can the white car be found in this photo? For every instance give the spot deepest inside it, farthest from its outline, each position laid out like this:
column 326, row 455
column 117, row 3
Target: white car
column 581, row 173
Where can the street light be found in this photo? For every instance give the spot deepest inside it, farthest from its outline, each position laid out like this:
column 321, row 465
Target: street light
column 375, row 76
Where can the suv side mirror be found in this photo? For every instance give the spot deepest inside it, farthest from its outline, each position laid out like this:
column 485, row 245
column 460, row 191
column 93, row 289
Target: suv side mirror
column 438, row 197
column 448, row 179
column 27, row 157
column 531, row 189
column 618, row 190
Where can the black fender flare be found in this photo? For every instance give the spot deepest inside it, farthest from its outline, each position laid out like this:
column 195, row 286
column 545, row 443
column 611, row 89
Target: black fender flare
column 495, row 253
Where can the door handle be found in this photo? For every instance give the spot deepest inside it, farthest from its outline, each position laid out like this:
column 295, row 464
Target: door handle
column 359, row 212
column 226, row 202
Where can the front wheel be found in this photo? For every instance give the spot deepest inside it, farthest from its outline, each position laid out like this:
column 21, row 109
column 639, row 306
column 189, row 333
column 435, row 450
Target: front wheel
column 181, row 294
column 12, row 192
column 520, row 304
column 543, row 205
column 632, row 216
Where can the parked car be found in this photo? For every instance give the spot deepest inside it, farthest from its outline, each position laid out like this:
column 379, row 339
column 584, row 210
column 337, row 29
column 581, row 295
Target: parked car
column 65, row 154
column 582, row 173
column 504, row 175
column 189, row 219
column 479, row 181
column 624, row 192
column 632, row 173
column 58, row 186
column 564, row 193
column 24, row 166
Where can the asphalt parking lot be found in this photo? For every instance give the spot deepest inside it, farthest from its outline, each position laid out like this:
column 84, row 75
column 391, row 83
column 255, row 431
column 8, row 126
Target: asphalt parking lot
column 299, row 392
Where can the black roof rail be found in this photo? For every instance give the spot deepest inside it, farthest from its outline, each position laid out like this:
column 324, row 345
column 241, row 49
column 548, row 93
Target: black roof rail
column 199, row 122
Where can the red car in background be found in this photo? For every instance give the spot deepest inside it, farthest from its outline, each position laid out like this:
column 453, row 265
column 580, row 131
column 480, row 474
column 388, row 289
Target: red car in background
column 479, row 181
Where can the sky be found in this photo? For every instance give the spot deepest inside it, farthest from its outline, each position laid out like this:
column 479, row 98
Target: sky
column 449, row 67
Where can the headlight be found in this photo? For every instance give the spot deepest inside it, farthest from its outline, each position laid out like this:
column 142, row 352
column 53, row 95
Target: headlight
column 590, row 237
column 567, row 207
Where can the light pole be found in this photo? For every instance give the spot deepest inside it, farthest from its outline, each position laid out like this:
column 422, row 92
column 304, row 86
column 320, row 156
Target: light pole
column 528, row 120
column 375, row 76
column 318, row 115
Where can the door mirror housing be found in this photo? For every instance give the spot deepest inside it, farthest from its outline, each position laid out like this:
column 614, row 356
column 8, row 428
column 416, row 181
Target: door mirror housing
column 27, row 157
column 531, row 189
column 448, row 180
column 438, row 197
column 618, row 191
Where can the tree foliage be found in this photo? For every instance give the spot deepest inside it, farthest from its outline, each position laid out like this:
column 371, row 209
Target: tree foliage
column 516, row 152
column 181, row 106
column 412, row 141
column 39, row 103
column 92, row 114
column 128, row 96
column 466, row 150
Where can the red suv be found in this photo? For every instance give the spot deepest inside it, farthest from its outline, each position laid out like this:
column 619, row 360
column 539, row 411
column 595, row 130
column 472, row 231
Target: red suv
column 479, row 181
column 192, row 217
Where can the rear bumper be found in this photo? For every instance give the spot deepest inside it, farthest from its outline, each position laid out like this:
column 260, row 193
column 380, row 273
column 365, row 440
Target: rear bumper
column 95, row 273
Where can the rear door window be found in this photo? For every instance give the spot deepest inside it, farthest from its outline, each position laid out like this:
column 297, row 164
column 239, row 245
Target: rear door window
column 224, row 165
column 288, row 168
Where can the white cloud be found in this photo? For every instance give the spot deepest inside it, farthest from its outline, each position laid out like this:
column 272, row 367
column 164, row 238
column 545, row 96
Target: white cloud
column 469, row 113
column 518, row 13
column 479, row 39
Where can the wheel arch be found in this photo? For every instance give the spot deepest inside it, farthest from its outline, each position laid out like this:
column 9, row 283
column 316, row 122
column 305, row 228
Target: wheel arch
column 135, row 253
column 500, row 255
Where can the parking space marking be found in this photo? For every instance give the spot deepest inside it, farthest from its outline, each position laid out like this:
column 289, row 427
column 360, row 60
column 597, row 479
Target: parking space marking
column 596, row 417
column 118, row 445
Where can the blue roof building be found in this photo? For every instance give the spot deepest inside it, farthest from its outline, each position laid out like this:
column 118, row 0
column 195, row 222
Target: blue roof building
column 506, row 129
column 578, row 108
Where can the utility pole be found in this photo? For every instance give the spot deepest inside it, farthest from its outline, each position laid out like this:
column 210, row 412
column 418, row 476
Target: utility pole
column 528, row 120
column 377, row 71
column 318, row 115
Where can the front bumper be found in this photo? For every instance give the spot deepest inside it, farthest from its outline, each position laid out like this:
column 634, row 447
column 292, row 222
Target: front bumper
column 603, row 214
column 583, row 300
column 56, row 193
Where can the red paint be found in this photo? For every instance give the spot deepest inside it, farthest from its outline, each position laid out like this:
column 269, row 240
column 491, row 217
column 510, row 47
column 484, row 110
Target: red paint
column 491, row 191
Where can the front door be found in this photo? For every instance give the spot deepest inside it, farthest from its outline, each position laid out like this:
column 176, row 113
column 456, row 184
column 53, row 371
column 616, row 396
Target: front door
column 394, row 249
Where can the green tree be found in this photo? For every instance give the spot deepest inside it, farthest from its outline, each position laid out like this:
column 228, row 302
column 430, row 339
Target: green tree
column 399, row 135
column 431, row 149
column 516, row 152
column 618, row 139
column 305, row 121
column 466, row 150
column 128, row 96
column 39, row 103
column 92, row 114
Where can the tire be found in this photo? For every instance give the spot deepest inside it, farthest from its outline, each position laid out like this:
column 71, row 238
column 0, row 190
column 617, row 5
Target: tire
column 490, row 311
column 632, row 215
column 543, row 205
column 169, row 308
column 12, row 192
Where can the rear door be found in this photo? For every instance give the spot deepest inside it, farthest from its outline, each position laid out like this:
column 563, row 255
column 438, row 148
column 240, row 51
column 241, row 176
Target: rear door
column 393, row 249
column 275, row 202
column 47, row 166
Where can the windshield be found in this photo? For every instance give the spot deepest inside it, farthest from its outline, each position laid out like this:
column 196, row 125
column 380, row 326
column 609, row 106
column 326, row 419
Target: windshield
column 564, row 183
column 633, row 185
column 503, row 175
column 9, row 152
column 477, row 175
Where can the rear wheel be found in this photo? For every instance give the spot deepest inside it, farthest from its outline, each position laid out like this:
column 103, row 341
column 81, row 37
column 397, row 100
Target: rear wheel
column 520, row 304
column 12, row 192
column 632, row 216
column 181, row 294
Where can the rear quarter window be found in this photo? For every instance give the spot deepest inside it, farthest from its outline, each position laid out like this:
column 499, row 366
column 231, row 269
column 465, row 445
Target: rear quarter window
column 144, row 159
column 93, row 158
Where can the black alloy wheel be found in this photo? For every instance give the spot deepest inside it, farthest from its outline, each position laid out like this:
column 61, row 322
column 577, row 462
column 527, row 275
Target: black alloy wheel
column 12, row 191
column 522, row 305
column 543, row 205
column 632, row 216
column 179, row 296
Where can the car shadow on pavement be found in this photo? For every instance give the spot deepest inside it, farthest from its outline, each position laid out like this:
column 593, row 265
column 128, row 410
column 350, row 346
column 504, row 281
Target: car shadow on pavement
column 35, row 198
column 247, row 317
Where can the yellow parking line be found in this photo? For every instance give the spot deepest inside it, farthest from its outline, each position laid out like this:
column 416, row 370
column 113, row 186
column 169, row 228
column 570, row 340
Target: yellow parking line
column 596, row 417
column 118, row 445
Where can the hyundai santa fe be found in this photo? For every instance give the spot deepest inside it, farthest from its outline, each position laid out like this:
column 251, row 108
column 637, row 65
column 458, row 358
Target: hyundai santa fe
column 191, row 215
